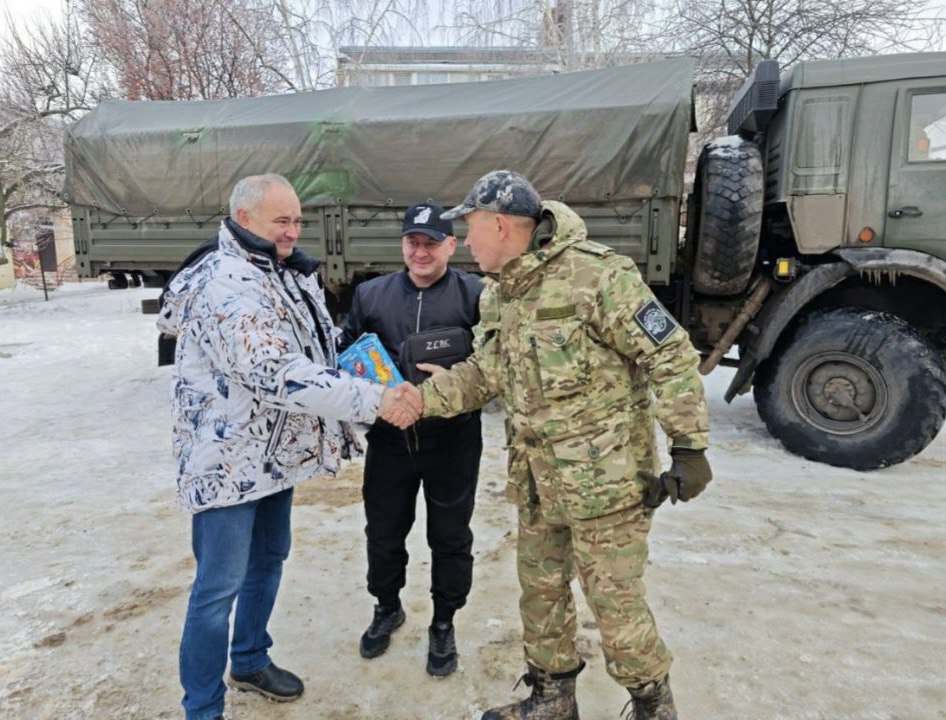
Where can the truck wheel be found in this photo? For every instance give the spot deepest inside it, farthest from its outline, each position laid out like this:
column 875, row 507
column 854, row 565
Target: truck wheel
column 855, row 388
column 730, row 216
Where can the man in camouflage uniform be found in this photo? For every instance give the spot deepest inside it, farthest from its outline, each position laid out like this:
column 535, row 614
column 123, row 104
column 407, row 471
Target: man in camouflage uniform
column 574, row 342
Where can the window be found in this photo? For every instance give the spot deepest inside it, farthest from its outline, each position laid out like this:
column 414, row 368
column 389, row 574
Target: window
column 431, row 78
column 927, row 128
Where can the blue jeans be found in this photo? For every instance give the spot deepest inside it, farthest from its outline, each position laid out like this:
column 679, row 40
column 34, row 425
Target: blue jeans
column 240, row 551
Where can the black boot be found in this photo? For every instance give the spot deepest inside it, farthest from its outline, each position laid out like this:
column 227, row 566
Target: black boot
column 378, row 635
column 552, row 698
column 652, row 701
column 272, row 682
column 442, row 652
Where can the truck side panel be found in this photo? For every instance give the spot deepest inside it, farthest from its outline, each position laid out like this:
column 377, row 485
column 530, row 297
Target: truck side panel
column 106, row 242
column 371, row 237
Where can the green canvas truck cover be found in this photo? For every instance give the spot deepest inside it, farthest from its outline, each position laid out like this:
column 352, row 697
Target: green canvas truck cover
column 609, row 135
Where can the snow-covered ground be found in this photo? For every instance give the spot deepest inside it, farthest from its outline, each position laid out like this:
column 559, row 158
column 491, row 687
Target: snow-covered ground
column 789, row 590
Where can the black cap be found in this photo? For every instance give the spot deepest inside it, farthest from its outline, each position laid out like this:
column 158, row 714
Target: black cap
column 424, row 218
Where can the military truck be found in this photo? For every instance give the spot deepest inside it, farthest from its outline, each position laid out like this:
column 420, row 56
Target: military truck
column 813, row 257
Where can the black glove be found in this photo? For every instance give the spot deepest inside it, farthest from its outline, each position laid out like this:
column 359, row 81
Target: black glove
column 688, row 476
column 655, row 493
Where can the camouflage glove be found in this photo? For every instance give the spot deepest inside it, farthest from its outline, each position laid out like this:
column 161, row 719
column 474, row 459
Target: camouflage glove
column 688, row 476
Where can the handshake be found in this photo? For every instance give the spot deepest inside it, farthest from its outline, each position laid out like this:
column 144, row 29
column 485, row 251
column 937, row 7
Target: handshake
column 402, row 405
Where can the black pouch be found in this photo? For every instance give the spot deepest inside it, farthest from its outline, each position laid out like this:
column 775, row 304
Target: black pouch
column 167, row 345
column 438, row 346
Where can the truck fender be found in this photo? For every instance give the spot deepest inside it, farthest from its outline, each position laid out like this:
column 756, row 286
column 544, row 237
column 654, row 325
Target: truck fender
column 777, row 314
column 876, row 263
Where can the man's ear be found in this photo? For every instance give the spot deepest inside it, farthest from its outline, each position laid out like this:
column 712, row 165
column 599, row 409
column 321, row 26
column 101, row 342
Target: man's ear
column 502, row 225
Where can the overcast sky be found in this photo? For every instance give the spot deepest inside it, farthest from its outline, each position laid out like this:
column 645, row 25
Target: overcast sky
column 25, row 9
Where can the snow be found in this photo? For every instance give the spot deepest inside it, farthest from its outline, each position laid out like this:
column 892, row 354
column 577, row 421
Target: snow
column 729, row 141
column 789, row 590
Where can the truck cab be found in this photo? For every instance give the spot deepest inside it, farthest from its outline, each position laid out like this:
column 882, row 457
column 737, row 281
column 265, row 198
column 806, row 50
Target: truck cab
column 839, row 311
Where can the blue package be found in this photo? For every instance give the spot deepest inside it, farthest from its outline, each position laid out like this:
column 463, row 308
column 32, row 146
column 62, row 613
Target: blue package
column 366, row 358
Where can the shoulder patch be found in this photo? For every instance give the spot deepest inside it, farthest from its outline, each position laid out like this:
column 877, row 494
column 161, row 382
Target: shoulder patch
column 595, row 248
column 655, row 321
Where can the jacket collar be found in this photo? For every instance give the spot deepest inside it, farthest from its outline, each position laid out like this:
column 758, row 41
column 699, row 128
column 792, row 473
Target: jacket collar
column 559, row 227
column 409, row 284
column 262, row 252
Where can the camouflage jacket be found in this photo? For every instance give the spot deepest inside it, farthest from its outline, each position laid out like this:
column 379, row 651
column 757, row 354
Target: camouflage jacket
column 574, row 342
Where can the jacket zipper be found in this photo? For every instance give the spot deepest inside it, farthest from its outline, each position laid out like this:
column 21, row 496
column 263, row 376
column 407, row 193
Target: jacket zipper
column 280, row 423
column 413, row 428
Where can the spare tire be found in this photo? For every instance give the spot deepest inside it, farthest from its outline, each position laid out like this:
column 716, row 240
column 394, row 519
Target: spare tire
column 730, row 192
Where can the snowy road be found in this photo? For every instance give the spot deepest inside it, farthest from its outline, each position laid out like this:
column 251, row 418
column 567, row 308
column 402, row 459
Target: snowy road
column 790, row 590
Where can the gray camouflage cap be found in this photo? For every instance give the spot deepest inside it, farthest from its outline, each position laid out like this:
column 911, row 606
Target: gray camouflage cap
column 502, row 191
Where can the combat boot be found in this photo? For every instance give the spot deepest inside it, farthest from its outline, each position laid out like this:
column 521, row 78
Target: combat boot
column 652, row 701
column 552, row 698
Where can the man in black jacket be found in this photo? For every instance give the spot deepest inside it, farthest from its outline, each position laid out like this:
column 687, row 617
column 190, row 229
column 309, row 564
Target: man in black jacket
column 442, row 454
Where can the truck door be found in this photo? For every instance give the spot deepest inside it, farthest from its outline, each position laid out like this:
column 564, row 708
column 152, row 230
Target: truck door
column 916, row 211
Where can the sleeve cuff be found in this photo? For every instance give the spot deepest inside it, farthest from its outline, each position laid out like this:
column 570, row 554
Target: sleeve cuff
column 372, row 393
column 693, row 442
column 433, row 402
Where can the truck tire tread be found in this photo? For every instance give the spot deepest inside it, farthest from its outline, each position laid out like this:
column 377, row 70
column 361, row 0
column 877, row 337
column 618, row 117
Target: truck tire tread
column 914, row 374
column 730, row 217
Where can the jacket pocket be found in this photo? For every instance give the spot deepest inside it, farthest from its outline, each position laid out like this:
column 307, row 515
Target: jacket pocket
column 561, row 355
column 598, row 472
column 299, row 441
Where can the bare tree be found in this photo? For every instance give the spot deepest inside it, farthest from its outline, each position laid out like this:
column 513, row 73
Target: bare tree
column 730, row 37
column 314, row 30
column 182, row 49
column 734, row 35
column 50, row 79
column 186, row 49
column 573, row 34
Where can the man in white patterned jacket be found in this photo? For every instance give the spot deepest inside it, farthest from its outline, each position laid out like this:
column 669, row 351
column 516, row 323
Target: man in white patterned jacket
column 258, row 405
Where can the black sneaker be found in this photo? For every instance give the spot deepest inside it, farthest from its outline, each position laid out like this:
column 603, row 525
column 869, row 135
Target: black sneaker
column 271, row 682
column 378, row 635
column 442, row 655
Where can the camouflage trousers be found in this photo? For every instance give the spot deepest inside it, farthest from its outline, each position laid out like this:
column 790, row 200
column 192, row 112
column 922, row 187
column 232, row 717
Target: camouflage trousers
column 608, row 554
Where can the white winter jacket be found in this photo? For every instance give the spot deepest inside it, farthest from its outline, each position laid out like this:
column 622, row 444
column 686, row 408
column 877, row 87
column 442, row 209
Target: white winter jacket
column 257, row 401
